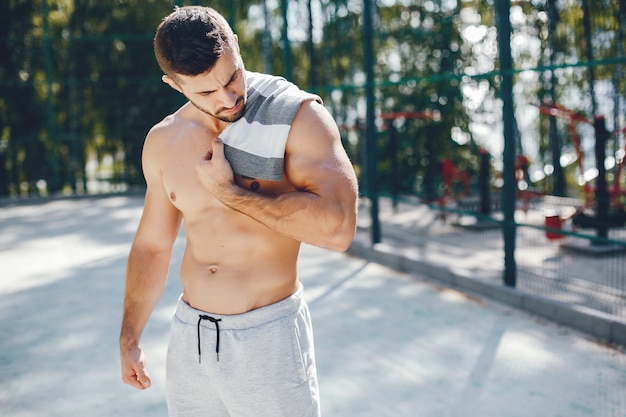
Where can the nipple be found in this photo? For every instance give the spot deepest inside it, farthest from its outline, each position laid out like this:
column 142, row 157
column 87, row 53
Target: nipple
column 173, row 196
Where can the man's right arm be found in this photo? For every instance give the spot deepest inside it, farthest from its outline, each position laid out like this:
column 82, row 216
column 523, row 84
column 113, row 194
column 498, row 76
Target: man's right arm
column 148, row 264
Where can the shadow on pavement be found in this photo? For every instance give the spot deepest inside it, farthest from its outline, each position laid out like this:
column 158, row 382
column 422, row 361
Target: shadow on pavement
column 388, row 344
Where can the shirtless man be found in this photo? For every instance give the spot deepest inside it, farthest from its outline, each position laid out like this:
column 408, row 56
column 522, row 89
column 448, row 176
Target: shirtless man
column 241, row 340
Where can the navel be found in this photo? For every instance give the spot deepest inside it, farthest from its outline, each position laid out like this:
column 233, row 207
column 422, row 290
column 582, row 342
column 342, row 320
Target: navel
column 254, row 185
column 173, row 196
column 212, row 269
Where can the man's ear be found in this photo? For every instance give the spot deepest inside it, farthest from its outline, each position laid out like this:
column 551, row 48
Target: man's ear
column 167, row 80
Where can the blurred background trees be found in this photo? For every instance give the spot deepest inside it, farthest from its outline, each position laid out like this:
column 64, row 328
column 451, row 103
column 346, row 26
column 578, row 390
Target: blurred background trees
column 80, row 88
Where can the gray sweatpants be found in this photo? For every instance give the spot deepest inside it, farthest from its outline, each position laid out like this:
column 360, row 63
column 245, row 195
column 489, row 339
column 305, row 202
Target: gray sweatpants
column 265, row 365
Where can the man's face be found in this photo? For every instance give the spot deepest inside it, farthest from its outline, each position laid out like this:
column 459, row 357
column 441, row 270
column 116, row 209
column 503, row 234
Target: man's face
column 221, row 92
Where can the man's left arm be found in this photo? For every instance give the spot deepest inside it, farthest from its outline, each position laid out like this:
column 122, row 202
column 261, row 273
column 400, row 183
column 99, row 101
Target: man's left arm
column 322, row 211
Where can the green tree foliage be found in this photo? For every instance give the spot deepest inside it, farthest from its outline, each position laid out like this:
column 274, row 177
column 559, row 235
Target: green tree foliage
column 22, row 110
column 115, row 93
column 80, row 88
column 419, row 67
column 579, row 68
column 421, row 59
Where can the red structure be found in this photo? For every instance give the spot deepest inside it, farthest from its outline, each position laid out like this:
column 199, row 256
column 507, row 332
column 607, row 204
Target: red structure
column 604, row 218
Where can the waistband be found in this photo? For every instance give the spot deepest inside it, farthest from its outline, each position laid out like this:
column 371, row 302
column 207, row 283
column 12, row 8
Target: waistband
column 254, row 318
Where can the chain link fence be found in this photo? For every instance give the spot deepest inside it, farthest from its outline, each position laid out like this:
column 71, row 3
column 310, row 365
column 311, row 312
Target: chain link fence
column 79, row 90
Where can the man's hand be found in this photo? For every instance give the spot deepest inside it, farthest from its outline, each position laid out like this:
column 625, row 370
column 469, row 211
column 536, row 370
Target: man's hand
column 214, row 171
column 134, row 368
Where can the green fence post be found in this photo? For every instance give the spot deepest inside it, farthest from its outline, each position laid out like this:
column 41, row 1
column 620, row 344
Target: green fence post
column 503, row 26
column 393, row 157
column 370, row 133
column 603, row 199
column 54, row 186
column 558, row 177
column 232, row 14
column 483, row 182
column 310, row 46
column 286, row 44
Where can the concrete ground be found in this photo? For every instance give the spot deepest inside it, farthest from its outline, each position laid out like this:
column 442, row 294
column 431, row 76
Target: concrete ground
column 388, row 344
column 571, row 287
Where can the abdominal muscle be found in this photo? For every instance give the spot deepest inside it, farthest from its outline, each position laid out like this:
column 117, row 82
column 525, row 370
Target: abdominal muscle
column 232, row 264
column 248, row 267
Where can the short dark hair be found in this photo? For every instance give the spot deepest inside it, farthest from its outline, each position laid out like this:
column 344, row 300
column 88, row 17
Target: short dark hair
column 190, row 40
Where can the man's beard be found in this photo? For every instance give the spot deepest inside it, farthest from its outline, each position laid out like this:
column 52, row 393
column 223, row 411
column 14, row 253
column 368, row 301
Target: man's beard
column 230, row 118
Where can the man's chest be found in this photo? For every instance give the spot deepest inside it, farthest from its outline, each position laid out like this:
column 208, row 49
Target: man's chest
column 180, row 179
column 185, row 191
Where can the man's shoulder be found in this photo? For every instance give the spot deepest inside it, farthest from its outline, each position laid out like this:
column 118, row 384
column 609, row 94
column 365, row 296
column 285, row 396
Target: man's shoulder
column 162, row 129
column 174, row 125
column 274, row 100
column 260, row 77
column 165, row 134
column 313, row 110
column 311, row 122
column 263, row 86
column 168, row 122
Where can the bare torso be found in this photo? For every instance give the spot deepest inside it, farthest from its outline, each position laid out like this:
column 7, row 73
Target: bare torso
column 243, row 234
column 232, row 263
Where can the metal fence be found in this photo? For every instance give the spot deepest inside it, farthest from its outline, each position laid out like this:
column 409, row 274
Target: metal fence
column 564, row 265
column 465, row 112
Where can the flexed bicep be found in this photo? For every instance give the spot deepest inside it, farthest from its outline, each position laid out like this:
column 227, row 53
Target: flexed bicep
column 317, row 163
column 320, row 207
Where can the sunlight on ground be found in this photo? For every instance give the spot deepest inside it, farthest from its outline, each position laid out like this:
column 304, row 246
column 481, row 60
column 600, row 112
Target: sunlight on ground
column 387, row 344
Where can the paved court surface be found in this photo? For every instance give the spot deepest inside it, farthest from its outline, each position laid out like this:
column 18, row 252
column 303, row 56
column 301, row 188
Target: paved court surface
column 388, row 344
